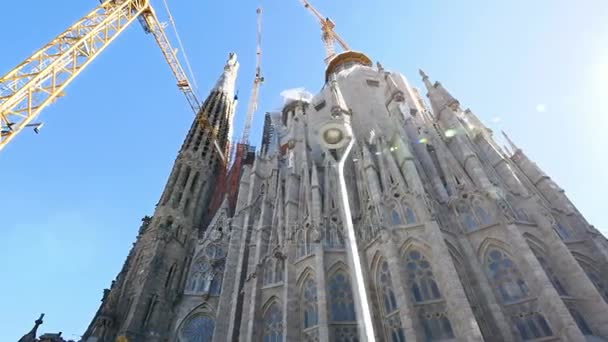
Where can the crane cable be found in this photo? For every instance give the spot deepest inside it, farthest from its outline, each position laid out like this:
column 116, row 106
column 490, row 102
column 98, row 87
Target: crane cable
column 181, row 46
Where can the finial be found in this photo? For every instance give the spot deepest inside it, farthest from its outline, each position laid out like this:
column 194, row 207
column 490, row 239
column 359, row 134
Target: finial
column 31, row 336
column 422, row 74
column 513, row 146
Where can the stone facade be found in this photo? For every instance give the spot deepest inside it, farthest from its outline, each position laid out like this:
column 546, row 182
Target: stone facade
column 459, row 239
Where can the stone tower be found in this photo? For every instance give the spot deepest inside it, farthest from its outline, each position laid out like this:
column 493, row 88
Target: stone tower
column 140, row 304
column 453, row 238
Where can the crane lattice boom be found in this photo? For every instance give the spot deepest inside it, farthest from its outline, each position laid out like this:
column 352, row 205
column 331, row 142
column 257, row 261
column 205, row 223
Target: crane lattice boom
column 39, row 80
column 329, row 36
column 253, row 99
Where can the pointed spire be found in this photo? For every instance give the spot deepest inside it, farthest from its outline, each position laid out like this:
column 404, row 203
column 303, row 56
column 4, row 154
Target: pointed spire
column 513, row 146
column 227, row 80
column 425, row 79
column 31, row 336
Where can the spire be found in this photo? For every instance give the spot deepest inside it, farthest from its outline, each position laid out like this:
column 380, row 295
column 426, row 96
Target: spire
column 425, row 79
column 513, row 146
column 227, row 80
column 31, row 336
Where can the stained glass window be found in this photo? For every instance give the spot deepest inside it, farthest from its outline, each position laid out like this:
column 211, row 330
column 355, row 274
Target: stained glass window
column 198, row 329
column 531, row 326
column 409, row 215
column 420, row 278
column 389, row 303
column 273, row 324
column 342, row 306
column 436, row 327
column 309, row 301
column 505, row 276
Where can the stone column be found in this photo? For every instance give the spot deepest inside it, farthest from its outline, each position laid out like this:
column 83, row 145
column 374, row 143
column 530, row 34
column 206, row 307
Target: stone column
column 549, row 301
column 321, row 292
column 407, row 314
column 460, row 313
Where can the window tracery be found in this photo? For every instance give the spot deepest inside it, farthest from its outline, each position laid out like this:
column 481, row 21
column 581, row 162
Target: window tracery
column 531, row 326
column 421, row 281
column 199, row 328
column 273, row 324
column 505, row 276
column 392, row 322
column 309, row 303
column 342, row 306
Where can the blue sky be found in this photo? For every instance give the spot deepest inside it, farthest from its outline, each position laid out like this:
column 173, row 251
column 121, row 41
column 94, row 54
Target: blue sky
column 72, row 197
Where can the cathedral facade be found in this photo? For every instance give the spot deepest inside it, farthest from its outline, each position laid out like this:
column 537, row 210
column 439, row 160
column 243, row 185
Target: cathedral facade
column 447, row 235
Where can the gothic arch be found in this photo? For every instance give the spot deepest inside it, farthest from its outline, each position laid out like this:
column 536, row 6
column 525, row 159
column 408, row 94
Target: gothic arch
column 535, row 242
column 307, row 272
column 337, row 266
column 196, row 324
column 490, row 242
column 272, row 318
column 416, row 243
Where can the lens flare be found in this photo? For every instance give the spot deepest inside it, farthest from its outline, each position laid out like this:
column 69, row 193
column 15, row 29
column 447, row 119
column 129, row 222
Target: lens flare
column 450, row 133
column 423, row 141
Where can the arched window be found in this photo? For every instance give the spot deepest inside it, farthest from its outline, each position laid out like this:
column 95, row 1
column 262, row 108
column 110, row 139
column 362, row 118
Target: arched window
column 482, row 215
column 522, row 215
column 549, row 271
column 384, row 282
column 342, row 305
column 505, row 276
column 410, row 218
column 201, row 276
column 532, row 326
column 594, row 276
column 436, row 326
column 197, row 329
column 467, row 219
column 395, row 218
column 216, row 283
column 392, row 322
column 580, row 321
column 420, row 278
column 309, row 303
column 273, row 324
column 562, row 231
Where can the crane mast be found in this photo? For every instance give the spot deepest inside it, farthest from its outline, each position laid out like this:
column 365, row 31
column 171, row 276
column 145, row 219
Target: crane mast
column 328, row 35
column 257, row 81
column 41, row 78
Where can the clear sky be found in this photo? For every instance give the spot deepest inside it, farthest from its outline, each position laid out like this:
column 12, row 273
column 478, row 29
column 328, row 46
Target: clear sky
column 72, row 197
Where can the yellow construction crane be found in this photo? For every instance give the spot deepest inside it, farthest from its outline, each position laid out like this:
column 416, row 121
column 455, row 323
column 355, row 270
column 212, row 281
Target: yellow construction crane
column 329, row 36
column 259, row 79
column 39, row 80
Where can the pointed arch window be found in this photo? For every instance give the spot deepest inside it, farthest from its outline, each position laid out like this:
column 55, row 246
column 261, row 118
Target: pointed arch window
column 395, row 218
column 392, row 322
column 505, row 276
column 273, row 324
column 436, row 326
column 482, row 215
column 594, row 276
column 562, row 231
column 532, row 326
column 309, row 303
column 198, row 329
column 342, row 305
column 561, row 290
column 201, row 277
column 410, row 218
column 581, row 322
column 420, row 278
